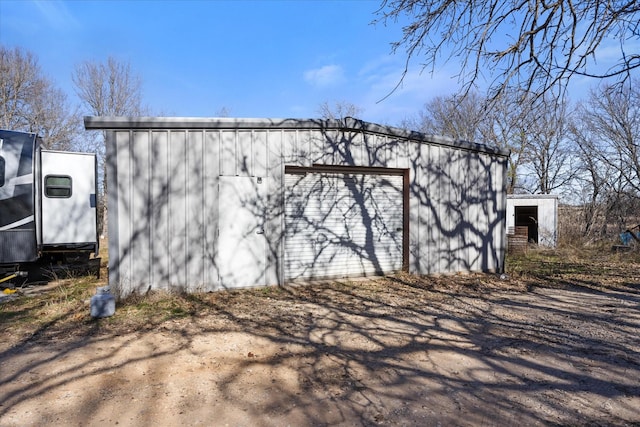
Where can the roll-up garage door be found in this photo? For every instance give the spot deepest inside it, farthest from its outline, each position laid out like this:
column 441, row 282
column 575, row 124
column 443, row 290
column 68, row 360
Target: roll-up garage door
column 342, row 224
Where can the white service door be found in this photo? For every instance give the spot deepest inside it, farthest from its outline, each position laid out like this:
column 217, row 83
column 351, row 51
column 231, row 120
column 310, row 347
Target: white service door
column 339, row 225
column 68, row 218
column 241, row 241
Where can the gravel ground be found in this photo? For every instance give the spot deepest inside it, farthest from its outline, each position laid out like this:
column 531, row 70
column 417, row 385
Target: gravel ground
column 463, row 350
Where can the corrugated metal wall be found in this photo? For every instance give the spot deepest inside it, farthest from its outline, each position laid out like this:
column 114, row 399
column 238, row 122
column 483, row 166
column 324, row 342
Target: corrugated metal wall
column 457, row 211
column 166, row 209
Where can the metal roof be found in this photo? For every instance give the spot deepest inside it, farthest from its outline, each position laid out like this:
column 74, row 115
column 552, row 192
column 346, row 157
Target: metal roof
column 532, row 196
column 348, row 124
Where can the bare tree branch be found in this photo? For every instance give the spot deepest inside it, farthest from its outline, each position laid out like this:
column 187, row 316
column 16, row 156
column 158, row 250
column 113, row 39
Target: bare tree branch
column 554, row 41
column 339, row 110
column 29, row 102
column 109, row 89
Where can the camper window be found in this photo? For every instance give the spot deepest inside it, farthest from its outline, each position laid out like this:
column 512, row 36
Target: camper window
column 57, row 186
column 1, row 171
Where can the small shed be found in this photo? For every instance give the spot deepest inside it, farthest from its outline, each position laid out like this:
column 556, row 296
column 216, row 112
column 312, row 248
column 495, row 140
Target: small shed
column 201, row 204
column 538, row 213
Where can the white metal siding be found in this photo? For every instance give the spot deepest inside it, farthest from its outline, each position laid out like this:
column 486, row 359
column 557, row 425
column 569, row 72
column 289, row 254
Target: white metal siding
column 339, row 225
column 166, row 212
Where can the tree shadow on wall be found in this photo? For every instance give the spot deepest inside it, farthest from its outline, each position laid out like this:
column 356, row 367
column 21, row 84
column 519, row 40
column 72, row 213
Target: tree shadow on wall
column 212, row 209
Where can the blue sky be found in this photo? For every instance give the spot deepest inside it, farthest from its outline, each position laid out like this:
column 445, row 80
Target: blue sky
column 258, row 58
column 253, row 58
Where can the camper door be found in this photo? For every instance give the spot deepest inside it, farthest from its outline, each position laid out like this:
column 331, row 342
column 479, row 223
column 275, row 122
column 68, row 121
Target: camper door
column 68, row 203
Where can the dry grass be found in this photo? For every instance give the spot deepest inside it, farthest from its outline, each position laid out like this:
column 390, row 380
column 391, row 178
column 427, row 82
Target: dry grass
column 553, row 343
column 62, row 308
column 595, row 267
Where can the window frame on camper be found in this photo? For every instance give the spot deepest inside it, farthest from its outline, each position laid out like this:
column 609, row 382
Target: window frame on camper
column 48, row 187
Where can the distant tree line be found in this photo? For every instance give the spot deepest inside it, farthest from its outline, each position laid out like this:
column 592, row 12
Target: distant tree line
column 529, row 51
column 30, row 102
column 587, row 152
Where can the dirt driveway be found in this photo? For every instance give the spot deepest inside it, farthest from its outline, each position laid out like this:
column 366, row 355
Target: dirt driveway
column 563, row 349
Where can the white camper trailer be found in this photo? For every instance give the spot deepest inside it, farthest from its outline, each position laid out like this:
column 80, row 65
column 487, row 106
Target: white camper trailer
column 47, row 205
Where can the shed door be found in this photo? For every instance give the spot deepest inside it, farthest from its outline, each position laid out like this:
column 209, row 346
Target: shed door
column 241, row 241
column 527, row 216
column 339, row 225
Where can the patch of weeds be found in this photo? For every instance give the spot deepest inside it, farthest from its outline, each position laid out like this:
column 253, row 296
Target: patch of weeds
column 153, row 308
column 592, row 267
column 17, row 311
column 265, row 291
column 178, row 312
column 41, row 309
column 540, row 263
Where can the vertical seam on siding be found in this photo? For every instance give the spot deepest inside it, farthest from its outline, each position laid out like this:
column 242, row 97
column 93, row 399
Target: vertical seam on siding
column 235, row 153
column 130, row 201
column 167, row 219
column 266, row 155
column 251, row 153
column 171, row 202
column 283, row 195
column 310, row 154
column 149, row 211
column 219, row 153
column 185, row 235
column 205, row 225
column 187, row 199
column 406, row 223
column 150, row 199
column 202, row 210
column 417, row 180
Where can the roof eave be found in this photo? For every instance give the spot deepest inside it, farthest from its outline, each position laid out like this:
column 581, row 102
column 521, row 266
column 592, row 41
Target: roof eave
column 348, row 124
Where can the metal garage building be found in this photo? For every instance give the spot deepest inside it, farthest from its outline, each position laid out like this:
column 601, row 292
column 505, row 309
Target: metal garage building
column 201, row 204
